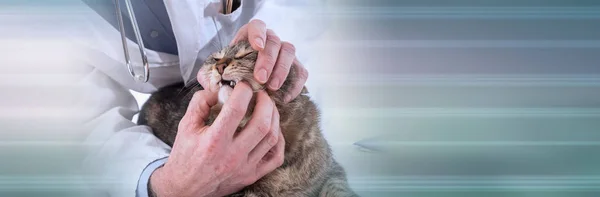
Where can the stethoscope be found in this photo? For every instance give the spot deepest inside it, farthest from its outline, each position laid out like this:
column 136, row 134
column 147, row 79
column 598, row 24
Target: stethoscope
column 227, row 8
column 136, row 30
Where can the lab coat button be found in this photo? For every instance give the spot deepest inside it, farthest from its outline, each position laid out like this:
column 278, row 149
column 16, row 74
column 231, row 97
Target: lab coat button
column 154, row 34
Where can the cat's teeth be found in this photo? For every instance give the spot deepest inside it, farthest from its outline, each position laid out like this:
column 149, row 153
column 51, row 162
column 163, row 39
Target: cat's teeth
column 232, row 83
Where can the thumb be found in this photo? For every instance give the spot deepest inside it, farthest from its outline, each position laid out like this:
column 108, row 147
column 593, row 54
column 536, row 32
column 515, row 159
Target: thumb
column 199, row 108
column 203, row 78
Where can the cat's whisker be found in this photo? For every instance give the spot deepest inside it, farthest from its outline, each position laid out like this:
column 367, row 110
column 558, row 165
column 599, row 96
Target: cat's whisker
column 220, row 45
column 188, row 89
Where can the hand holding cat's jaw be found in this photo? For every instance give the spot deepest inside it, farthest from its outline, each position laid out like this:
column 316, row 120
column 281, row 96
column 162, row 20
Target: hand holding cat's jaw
column 275, row 58
column 216, row 159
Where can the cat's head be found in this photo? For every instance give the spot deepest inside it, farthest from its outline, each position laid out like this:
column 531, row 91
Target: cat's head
column 224, row 69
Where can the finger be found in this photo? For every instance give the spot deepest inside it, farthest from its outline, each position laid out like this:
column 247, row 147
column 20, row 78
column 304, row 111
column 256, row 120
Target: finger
column 266, row 58
column 257, row 34
column 286, row 57
column 240, row 35
column 233, row 110
column 298, row 84
column 262, row 149
column 268, row 141
column 260, row 124
column 199, row 108
column 273, row 159
column 204, row 78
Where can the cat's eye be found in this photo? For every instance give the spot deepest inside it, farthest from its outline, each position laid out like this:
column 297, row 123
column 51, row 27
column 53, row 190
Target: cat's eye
column 216, row 59
column 240, row 56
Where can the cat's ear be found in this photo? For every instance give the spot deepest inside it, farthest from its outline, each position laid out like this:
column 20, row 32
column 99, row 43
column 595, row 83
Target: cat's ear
column 304, row 90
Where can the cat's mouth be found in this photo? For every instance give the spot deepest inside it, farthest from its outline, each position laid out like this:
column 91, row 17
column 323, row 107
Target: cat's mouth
column 226, row 87
column 227, row 83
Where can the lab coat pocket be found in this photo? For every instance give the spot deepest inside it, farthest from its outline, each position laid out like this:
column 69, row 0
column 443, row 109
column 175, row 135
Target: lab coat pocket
column 233, row 15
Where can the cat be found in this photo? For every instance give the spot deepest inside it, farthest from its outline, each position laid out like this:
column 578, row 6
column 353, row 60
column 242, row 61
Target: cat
column 308, row 168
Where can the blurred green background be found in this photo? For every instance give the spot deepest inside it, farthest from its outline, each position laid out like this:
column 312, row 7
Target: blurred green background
column 465, row 97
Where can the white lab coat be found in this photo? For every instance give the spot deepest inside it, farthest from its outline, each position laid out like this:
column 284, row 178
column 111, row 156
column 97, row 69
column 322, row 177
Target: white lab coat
column 118, row 148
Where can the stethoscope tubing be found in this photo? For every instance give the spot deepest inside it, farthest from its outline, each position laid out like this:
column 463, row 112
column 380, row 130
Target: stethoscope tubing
column 136, row 30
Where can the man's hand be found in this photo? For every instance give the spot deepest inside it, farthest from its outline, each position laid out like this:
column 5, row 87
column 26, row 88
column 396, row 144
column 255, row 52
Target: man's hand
column 214, row 160
column 275, row 57
column 274, row 61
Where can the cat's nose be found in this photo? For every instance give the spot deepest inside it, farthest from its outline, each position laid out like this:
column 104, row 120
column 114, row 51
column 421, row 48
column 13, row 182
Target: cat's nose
column 221, row 68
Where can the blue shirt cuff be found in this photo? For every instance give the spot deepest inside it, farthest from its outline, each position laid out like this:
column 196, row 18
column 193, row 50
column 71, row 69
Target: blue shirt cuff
column 142, row 187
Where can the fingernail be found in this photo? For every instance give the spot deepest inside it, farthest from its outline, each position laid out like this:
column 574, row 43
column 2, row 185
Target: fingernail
column 262, row 75
column 274, row 84
column 260, row 43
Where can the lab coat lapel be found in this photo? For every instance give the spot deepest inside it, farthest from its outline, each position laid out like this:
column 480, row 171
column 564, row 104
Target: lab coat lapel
column 187, row 19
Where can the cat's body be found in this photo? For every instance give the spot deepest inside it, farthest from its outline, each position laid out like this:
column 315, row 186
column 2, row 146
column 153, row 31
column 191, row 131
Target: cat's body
column 308, row 168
